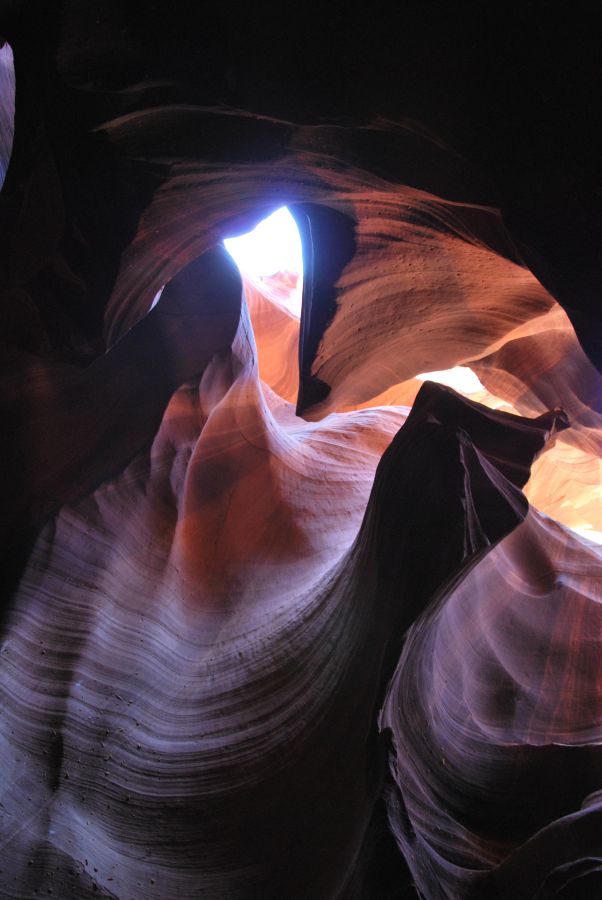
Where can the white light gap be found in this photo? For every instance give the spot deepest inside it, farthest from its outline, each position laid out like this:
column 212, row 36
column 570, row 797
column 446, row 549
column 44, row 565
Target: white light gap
column 460, row 378
column 271, row 257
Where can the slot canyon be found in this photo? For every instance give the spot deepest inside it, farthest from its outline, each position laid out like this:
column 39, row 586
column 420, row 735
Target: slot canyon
column 284, row 617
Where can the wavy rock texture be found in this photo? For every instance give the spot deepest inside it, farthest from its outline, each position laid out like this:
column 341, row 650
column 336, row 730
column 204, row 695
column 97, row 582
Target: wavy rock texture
column 7, row 108
column 205, row 712
column 496, row 696
column 193, row 686
column 236, row 630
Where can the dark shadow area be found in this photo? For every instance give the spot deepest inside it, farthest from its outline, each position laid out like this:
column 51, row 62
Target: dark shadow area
column 328, row 241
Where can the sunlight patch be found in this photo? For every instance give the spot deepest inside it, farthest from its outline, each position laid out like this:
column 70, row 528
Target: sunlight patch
column 460, row 378
column 271, row 255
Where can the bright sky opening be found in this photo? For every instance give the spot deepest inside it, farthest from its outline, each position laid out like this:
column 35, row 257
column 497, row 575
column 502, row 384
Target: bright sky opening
column 460, row 378
column 273, row 246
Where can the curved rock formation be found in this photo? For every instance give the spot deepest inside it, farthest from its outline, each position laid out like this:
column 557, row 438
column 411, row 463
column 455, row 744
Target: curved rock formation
column 7, row 108
column 278, row 620
column 496, row 697
column 208, row 673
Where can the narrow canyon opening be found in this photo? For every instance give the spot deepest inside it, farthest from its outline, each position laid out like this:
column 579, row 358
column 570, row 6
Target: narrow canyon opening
column 270, row 259
column 277, row 619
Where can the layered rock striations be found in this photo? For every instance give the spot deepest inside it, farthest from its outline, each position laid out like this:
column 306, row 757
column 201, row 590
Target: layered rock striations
column 279, row 620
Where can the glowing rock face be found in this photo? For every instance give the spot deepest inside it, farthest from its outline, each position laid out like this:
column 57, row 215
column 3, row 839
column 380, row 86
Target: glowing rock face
column 243, row 629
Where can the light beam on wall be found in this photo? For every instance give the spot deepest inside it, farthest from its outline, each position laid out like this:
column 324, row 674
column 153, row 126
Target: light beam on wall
column 273, row 248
